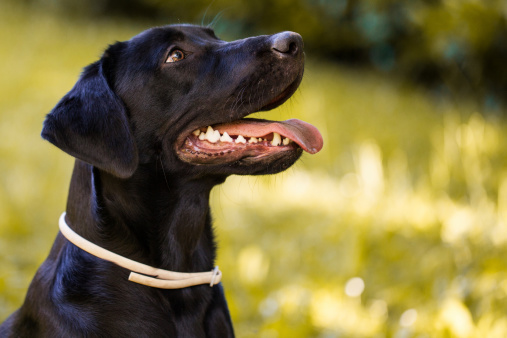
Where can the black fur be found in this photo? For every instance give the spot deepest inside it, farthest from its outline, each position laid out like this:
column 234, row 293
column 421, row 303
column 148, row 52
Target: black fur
column 132, row 194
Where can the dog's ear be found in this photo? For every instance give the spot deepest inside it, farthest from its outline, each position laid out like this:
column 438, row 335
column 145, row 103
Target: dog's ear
column 90, row 123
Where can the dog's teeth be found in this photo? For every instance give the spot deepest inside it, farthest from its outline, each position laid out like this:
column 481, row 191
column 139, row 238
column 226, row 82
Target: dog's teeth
column 225, row 137
column 215, row 136
column 211, row 135
column 209, row 132
column 277, row 140
column 286, row 141
column 240, row 139
column 260, row 139
column 202, row 136
column 252, row 140
column 196, row 132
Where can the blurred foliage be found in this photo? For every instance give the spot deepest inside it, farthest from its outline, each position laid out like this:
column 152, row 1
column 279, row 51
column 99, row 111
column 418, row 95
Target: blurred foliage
column 454, row 47
column 398, row 228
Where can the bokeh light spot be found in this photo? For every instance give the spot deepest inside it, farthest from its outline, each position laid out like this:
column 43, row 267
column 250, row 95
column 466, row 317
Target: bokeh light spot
column 354, row 287
column 408, row 318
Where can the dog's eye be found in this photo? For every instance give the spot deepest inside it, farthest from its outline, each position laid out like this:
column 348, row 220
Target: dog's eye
column 176, row 55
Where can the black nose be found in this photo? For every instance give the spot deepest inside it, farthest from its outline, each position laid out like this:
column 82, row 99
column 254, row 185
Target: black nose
column 287, row 43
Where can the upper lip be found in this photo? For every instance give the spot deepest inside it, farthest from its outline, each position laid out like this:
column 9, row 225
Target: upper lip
column 274, row 102
column 283, row 96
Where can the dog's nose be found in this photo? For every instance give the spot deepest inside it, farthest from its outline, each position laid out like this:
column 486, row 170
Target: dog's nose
column 287, row 43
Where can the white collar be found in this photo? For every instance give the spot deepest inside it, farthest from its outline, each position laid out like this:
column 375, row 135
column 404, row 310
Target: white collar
column 163, row 279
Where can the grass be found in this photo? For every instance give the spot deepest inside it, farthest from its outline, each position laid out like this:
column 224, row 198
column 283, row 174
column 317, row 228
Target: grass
column 408, row 195
column 396, row 229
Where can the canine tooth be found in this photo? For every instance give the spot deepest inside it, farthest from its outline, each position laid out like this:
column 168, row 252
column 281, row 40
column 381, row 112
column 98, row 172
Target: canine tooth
column 225, row 137
column 209, row 132
column 286, row 141
column 196, row 132
column 214, row 137
column 240, row 139
column 252, row 140
column 211, row 135
column 202, row 136
column 277, row 140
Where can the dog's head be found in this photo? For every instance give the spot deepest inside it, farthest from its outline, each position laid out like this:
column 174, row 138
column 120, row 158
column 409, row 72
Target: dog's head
column 180, row 94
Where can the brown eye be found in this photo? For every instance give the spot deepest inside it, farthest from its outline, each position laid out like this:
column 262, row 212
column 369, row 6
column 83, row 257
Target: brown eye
column 176, row 55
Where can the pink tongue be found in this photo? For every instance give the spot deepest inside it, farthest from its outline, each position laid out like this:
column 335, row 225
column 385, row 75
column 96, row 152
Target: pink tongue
column 304, row 134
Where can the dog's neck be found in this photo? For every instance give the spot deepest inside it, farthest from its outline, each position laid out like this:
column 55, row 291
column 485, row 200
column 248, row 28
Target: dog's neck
column 179, row 236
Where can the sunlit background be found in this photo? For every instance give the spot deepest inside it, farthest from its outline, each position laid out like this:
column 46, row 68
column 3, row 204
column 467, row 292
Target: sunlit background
column 398, row 228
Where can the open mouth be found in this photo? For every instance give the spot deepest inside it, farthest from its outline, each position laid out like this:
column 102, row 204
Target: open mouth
column 250, row 139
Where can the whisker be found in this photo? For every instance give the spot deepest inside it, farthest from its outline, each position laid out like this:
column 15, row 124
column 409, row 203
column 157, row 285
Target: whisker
column 204, row 15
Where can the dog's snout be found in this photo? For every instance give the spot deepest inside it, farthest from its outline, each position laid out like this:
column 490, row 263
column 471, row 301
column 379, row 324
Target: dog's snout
column 287, row 43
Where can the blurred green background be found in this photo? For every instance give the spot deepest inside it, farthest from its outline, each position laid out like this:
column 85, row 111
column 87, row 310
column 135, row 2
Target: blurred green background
column 398, row 228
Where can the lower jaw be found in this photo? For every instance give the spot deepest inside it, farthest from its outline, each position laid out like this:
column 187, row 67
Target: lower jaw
column 247, row 153
column 248, row 165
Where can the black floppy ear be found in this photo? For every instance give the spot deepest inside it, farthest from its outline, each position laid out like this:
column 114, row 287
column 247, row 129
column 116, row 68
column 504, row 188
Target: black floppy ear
column 90, row 123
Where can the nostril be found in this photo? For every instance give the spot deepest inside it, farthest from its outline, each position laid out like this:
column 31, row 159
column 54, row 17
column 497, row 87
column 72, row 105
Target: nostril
column 293, row 48
column 287, row 43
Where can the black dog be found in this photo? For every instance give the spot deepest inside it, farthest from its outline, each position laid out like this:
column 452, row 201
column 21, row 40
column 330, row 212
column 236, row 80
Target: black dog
column 137, row 122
